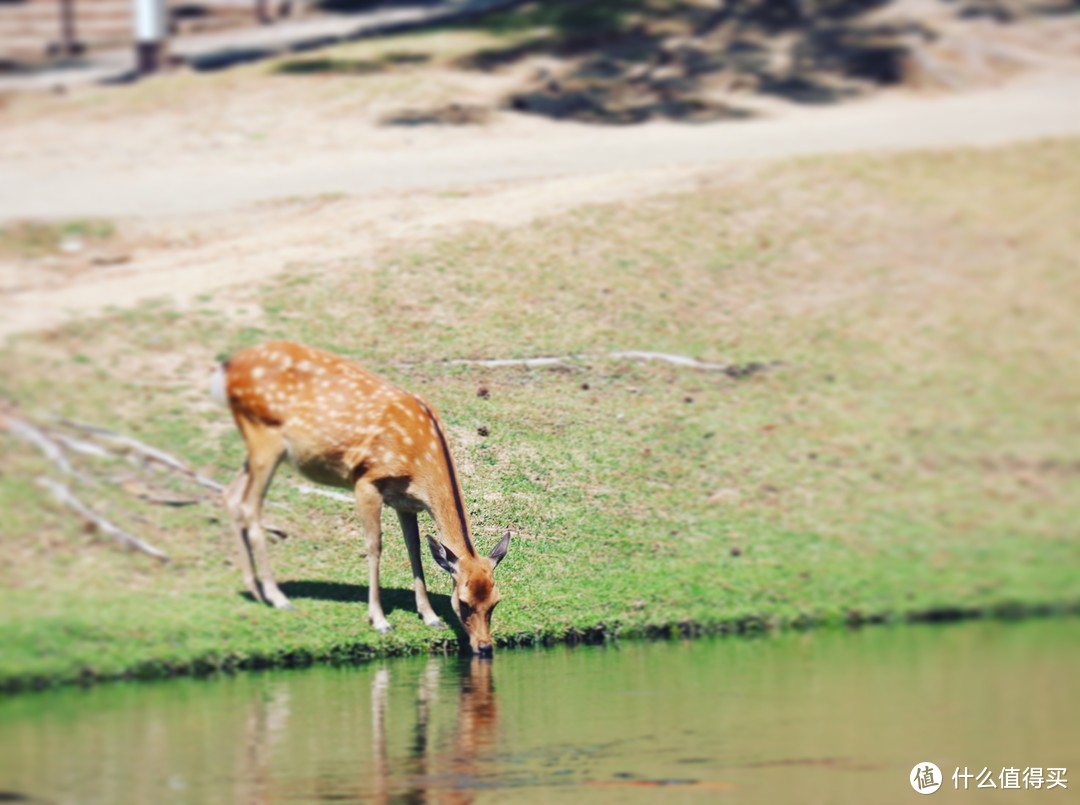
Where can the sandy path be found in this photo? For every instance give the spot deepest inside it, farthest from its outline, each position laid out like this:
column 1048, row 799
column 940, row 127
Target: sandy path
column 1029, row 109
column 400, row 194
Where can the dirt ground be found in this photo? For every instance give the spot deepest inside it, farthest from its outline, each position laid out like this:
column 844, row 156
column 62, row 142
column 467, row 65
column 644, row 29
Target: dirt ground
column 194, row 183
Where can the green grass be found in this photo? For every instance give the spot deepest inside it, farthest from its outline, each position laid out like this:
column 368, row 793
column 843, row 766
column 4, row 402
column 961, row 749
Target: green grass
column 914, row 450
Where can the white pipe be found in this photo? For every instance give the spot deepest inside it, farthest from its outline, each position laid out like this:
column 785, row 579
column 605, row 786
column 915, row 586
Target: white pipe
column 150, row 21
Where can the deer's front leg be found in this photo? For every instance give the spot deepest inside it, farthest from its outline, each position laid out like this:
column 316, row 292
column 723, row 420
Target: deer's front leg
column 369, row 507
column 411, row 529
column 234, row 497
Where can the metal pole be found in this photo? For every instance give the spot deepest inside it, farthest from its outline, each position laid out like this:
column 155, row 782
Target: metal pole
column 68, row 46
column 150, row 23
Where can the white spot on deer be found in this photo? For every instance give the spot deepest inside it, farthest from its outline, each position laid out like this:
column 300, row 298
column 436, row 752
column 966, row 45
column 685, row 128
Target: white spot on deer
column 258, row 372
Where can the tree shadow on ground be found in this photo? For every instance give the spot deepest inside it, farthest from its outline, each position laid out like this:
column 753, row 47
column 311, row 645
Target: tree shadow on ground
column 622, row 62
column 630, row 61
column 367, row 6
column 343, row 66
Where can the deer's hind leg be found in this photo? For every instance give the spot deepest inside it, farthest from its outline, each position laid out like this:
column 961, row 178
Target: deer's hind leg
column 266, row 448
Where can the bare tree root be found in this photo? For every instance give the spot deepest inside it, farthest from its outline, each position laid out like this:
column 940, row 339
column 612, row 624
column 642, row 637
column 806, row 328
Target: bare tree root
column 66, row 497
column 665, row 357
column 143, row 449
column 53, row 443
column 80, row 446
column 35, row 436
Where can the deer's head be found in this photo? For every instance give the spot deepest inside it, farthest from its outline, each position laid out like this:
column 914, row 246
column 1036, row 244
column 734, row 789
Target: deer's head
column 475, row 594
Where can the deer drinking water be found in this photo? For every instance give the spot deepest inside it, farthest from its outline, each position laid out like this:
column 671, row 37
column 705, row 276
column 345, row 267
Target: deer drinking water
column 342, row 425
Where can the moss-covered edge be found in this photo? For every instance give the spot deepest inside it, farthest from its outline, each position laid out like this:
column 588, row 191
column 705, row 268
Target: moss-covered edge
column 212, row 664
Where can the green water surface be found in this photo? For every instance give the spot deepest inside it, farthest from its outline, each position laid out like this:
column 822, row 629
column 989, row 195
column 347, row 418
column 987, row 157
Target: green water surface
column 827, row 716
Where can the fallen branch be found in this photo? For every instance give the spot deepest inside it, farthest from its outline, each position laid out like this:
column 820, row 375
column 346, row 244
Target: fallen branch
column 665, row 357
column 65, row 496
column 308, row 489
column 81, row 446
column 209, row 483
column 568, row 361
column 143, row 449
column 525, row 363
column 129, row 442
column 27, row 432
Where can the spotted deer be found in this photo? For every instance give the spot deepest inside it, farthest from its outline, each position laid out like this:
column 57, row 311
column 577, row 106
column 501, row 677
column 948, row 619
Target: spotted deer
column 341, row 425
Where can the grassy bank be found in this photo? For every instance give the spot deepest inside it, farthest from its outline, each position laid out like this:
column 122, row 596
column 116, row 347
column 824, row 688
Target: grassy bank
column 911, row 446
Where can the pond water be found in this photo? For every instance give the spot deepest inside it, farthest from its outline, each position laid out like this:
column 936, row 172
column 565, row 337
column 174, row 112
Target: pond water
column 830, row 716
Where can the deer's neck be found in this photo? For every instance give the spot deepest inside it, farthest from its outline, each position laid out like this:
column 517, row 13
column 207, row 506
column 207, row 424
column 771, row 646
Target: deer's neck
column 444, row 493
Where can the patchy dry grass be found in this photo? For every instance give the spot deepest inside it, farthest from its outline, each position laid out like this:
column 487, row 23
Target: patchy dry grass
column 916, row 449
column 35, row 239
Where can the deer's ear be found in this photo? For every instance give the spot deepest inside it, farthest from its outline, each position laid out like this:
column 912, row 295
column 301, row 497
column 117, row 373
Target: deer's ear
column 443, row 556
column 499, row 551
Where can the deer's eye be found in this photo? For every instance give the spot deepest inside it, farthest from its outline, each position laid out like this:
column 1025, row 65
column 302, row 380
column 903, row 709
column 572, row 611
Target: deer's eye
column 465, row 610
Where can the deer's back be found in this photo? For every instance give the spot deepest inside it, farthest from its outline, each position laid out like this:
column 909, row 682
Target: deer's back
column 339, row 421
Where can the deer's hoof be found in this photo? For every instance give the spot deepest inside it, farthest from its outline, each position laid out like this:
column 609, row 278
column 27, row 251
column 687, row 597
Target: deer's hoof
column 436, row 624
column 285, row 606
column 383, row 628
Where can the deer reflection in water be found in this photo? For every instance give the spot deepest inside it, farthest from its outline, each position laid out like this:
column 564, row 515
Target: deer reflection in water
column 264, row 730
column 450, row 772
column 433, row 736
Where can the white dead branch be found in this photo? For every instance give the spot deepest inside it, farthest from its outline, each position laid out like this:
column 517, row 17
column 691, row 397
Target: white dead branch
column 308, row 489
column 65, row 496
column 568, row 361
column 142, row 448
column 28, row 433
